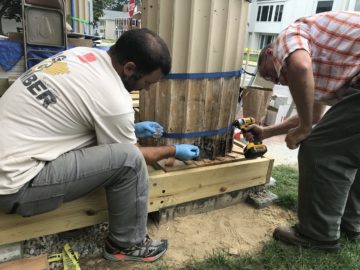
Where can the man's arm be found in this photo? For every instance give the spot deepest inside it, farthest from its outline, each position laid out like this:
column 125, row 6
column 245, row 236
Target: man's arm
column 153, row 154
column 292, row 122
column 301, row 84
column 180, row 151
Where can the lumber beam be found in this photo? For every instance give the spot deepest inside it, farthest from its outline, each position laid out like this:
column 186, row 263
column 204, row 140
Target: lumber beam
column 165, row 189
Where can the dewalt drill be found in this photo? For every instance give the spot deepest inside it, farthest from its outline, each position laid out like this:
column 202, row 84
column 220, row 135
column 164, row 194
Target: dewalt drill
column 255, row 148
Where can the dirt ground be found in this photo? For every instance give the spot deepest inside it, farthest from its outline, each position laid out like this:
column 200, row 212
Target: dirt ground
column 238, row 230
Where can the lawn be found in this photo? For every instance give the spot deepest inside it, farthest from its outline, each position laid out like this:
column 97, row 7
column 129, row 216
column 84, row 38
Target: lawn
column 276, row 255
column 252, row 57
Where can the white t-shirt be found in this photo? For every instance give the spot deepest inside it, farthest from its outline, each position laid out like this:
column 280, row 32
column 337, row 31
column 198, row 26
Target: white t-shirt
column 70, row 101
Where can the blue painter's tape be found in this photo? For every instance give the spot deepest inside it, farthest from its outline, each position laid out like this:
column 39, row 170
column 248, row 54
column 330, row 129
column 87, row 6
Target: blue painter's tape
column 210, row 75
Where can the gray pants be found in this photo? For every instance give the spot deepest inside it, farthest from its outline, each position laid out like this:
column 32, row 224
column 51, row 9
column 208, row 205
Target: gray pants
column 119, row 168
column 329, row 180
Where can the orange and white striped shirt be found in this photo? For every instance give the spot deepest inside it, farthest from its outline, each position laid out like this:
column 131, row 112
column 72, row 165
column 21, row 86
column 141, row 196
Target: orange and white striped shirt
column 333, row 42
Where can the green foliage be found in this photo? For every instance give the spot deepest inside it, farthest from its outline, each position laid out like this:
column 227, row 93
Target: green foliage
column 286, row 186
column 98, row 8
column 10, row 9
column 117, row 5
column 100, row 5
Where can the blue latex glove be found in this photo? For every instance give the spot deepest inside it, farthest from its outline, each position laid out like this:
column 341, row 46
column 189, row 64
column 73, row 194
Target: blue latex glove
column 186, row 151
column 148, row 129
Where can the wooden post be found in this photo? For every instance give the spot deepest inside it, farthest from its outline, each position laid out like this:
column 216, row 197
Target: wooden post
column 207, row 51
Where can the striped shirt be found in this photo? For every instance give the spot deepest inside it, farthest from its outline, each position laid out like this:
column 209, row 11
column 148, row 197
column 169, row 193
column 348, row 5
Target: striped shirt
column 333, row 42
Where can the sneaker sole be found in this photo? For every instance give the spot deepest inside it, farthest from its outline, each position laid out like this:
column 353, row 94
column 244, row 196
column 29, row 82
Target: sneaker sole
column 122, row 257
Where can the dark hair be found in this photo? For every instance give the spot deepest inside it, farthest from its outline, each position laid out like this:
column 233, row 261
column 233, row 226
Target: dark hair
column 263, row 54
column 143, row 47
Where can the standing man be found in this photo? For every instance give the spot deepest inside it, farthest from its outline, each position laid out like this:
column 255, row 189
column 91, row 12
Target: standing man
column 68, row 129
column 318, row 57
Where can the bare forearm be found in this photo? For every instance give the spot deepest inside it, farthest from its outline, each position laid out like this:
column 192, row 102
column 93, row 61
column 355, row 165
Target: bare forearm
column 292, row 122
column 153, row 154
column 281, row 128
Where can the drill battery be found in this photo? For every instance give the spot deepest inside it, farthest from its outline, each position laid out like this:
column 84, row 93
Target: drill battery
column 255, row 148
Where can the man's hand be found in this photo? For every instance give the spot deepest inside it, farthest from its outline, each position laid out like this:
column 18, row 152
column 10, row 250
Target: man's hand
column 186, row 151
column 295, row 136
column 249, row 133
column 148, row 129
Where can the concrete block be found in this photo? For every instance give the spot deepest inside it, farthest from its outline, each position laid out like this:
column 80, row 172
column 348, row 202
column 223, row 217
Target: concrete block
column 11, row 252
column 206, row 204
column 262, row 198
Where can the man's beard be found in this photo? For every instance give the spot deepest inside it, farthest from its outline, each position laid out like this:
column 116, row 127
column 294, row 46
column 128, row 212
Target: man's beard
column 131, row 81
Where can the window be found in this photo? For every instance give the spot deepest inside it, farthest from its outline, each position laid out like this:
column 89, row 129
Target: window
column 264, row 13
column 270, row 13
column 357, row 5
column 259, row 13
column 265, row 40
column 278, row 13
column 324, row 6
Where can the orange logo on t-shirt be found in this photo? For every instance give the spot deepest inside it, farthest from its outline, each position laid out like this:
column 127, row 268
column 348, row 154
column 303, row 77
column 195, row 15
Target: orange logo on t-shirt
column 89, row 57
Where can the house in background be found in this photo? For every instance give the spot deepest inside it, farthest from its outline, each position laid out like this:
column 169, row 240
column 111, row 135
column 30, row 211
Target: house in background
column 125, row 23
column 267, row 18
column 106, row 25
column 114, row 23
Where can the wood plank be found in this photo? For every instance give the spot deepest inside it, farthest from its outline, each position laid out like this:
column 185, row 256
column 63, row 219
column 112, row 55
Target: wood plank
column 195, row 109
column 176, row 113
column 31, row 263
column 86, row 211
column 165, row 189
column 182, row 186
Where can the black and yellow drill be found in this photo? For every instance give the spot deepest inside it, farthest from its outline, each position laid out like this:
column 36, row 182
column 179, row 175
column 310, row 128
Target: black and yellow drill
column 255, row 148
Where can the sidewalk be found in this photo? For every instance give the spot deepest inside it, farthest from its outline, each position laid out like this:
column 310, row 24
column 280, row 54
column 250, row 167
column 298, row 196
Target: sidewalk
column 278, row 150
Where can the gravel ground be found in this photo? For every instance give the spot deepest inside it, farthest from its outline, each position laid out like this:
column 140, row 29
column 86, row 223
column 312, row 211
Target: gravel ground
column 88, row 242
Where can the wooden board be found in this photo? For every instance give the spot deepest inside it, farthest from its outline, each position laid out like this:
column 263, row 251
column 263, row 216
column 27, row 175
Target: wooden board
column 190, row 106
column 31, row 263
column 165, row 189
column 237, row 154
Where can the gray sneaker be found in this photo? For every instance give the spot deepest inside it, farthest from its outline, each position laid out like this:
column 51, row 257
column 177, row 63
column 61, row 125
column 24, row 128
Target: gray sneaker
column 147, row 251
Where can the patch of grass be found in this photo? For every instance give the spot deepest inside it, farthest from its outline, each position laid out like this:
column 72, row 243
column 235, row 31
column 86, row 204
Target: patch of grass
column 252, row 57
column 278, row 256
column 286, row 186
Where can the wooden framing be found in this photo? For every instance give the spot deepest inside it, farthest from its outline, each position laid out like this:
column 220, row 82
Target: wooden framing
column 166, row 189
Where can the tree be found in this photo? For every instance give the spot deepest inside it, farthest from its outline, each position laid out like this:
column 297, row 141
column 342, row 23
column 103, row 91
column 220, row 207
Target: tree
column 117, row 5
column 10, row 9
column 100, row 5
column 98, row 8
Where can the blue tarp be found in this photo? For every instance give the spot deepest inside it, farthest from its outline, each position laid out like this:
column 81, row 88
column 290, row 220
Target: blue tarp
column 35, row 54
column 11, row 52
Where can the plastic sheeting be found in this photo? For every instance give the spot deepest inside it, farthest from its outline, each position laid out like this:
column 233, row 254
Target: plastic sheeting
column 35, row 54
column 10, row 53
